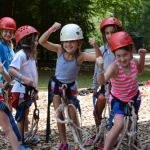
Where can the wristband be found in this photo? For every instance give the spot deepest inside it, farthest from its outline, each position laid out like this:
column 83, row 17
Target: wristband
column 101, row 71
column 51, row 30
column 20, row 80
column 1, row 81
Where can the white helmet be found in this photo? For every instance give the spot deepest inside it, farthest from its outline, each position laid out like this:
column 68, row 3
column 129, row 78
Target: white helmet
column 71, row 32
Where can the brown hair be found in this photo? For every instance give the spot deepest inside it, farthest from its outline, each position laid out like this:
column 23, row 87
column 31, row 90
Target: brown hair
column 117, row 29
column 27, row 40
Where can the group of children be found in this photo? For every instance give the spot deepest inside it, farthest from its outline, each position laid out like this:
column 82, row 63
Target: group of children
column 114, row 63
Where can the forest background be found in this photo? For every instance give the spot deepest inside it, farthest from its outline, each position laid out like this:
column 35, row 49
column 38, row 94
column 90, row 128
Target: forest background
column 134, row 16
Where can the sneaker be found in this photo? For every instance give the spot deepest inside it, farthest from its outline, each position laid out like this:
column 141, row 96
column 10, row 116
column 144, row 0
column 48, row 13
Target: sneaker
column 63, row 146
column 24, row 147
column 2, row 132
column 92, row 139
column 35, row 140
column 75, row 149
column 101, row 145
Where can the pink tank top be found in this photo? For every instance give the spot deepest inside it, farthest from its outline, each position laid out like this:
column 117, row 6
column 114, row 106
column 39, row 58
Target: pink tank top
column 124, row 86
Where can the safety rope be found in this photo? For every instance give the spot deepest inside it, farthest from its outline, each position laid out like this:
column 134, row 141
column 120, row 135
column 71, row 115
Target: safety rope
column 132, row 133
column 30, row 135
column 104, row 123
column 77, row 131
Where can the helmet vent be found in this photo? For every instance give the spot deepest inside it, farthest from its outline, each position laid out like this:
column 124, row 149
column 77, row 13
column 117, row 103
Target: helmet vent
column 77, row 33
column 126, row 38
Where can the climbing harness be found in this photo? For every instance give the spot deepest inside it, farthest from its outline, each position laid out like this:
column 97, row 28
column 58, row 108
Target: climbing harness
column 104, row 123
column 63, row 107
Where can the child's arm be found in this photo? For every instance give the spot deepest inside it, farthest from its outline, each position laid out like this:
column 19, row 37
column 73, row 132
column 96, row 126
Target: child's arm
column 48, row 45
column 92, row 41
column 140, row 64
column 111, row 71
column 5, row 75
column 16, row 74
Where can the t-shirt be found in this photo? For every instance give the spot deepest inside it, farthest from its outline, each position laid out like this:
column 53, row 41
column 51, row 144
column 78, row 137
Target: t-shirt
column 25, row 67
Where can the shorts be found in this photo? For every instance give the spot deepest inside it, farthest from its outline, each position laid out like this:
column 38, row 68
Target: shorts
column 17, row 99
column 122, row 113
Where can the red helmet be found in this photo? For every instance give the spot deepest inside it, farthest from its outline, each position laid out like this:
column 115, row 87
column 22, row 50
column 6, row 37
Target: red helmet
column 148, row 83
column 23, row 31
column 7, row 23
column 119, row 39
column 110, row 21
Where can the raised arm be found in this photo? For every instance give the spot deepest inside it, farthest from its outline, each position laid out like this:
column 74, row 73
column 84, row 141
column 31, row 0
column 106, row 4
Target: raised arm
column 140, row 64
column 48, row 45
column 92, row 41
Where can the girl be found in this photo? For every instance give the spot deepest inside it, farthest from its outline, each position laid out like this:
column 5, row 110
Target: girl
column 123, row 74
column 68, row 64
column 23, row 67
column 8, row 27
column 4, row 120
column 108, row 27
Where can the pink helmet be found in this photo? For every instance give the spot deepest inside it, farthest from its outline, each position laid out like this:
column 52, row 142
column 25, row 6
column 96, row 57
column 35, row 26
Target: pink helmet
column 7, row 23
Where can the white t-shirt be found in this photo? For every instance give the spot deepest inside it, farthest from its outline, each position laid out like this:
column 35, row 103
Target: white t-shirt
column 25, row 67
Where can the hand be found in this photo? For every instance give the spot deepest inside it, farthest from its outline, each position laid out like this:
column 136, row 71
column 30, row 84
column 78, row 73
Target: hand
column 28, row 81
column 95, row 92
column 100, row 63
column 92, row 41
column 142, row 52
column 2, row 85
column 56, row 26
column 2, row 67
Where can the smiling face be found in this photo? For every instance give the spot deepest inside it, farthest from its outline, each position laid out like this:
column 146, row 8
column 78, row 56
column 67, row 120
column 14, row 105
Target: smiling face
column 7, row 34
column 71, row 46
column 109, row 31
column 123, row 57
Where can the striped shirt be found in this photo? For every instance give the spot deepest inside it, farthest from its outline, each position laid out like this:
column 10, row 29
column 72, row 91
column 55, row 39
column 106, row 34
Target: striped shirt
column 124, row 86
column 1, row 98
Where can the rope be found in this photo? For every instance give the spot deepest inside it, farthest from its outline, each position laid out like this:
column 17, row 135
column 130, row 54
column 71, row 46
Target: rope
column 64, row 107
column 132, row 132
column 102, row 128
column 30, row 135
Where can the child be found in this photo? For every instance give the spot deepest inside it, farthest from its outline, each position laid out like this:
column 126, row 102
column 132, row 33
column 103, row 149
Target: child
column 8, row 27
column 23, row 67
column 123, row 74
column 68, row 64
column 8, row 125
column 108, row 27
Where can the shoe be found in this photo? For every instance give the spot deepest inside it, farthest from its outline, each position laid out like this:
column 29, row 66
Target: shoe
column 35, row 140
column 92, row 139
column 75, row 149
column 63, row 146
column 2, row 132
column 24, row 147
column 101, row 145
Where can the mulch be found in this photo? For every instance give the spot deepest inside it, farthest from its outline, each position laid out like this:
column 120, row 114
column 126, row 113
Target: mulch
column 87, row 123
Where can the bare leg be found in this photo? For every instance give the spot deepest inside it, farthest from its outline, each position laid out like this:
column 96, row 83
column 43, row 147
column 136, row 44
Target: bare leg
column 100, row 105
column 61, row 127
column 10, row 98
column 114, row 132
column 7, row 128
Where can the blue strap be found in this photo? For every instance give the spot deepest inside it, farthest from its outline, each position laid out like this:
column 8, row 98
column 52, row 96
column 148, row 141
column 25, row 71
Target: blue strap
column 21, row 110
column 12, row 121
column 76, row 102
column 111, row 116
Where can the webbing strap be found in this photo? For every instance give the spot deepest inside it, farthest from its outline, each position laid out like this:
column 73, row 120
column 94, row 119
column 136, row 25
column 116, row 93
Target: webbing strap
column 111, row 116
column 12, row 121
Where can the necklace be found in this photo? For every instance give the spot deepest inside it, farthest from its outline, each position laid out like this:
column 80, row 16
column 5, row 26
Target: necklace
column 127, row 69
column 70, row 53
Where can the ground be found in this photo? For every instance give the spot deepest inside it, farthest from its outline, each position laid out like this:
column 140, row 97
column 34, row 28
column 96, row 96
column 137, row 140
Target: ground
column 87, row 123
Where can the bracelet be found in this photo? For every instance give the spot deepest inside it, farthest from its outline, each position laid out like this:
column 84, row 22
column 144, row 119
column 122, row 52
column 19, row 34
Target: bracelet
column 101, row 71
column 51, row 30
column 20, row 80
